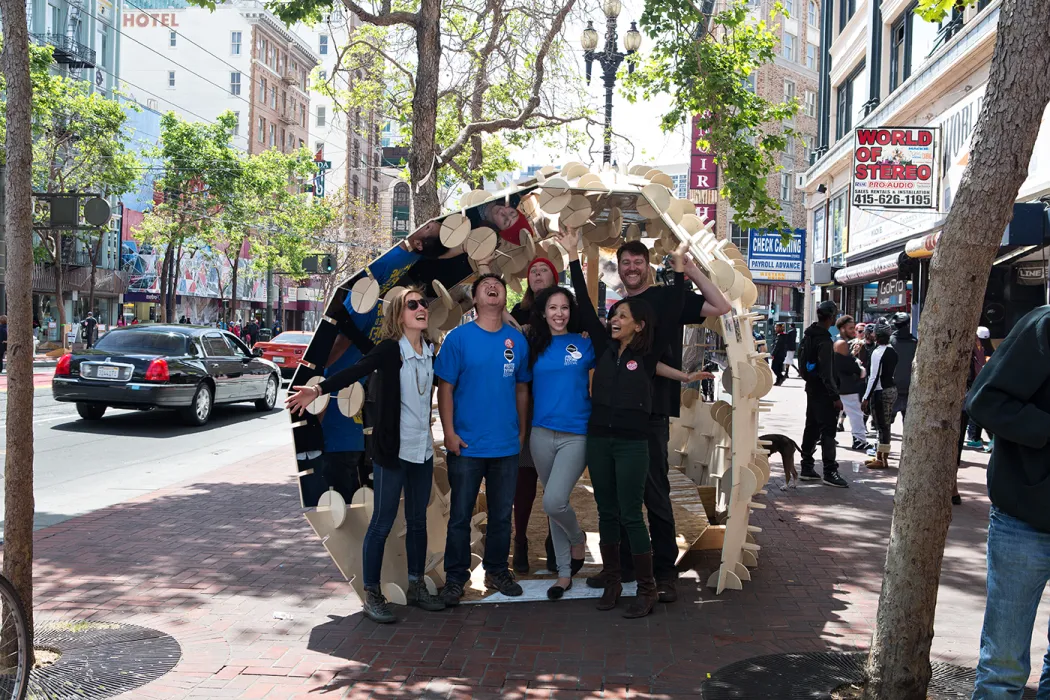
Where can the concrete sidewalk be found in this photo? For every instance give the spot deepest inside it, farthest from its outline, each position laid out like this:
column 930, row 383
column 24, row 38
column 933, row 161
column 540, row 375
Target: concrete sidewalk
column 227, row 565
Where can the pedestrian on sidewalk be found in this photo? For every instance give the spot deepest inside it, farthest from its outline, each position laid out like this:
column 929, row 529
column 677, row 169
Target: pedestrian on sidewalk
column 88, row 327
column 1011, row 399
column 483, row 400
column 905, row 344
column 791, row 344
column 850, row 374
column 981, row 354
column 541, row 275
column 780, row 345
column 403, row 452
column 822, row 398
column 881, row 394
column 3, row 340
column 633, row 266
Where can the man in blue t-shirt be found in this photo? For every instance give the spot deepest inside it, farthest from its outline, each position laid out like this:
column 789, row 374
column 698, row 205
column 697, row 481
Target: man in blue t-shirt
column 483, row 396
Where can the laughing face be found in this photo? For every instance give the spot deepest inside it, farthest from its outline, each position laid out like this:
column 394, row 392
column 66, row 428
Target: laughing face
column 416, row 318
column 634, row 271
column 557, row 313
column 490, row 293
column 622, row 325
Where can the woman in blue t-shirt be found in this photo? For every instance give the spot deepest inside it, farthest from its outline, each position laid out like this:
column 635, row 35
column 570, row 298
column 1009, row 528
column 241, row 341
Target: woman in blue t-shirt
column 560, row 359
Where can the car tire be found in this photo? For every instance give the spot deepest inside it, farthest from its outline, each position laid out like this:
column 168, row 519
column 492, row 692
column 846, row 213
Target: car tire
column 199, row 411
column 269, row 399
column 91, row 411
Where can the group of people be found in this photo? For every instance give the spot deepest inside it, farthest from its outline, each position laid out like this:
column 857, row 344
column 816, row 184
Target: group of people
column 520, row 405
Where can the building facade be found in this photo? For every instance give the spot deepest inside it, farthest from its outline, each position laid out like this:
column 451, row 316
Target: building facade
column 884, row 66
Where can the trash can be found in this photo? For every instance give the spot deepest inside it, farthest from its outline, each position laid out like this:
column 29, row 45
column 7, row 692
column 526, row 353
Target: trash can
column 265, row 335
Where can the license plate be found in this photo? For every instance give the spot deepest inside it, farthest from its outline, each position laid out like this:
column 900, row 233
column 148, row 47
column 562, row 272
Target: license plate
column 278, row 360
column 109, row 372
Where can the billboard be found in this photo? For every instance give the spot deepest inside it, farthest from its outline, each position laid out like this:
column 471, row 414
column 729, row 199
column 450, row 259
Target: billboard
column 770, row 259
column 896, row 168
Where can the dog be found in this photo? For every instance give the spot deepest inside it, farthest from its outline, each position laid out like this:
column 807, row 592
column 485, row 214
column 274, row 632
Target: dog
column 786, row 448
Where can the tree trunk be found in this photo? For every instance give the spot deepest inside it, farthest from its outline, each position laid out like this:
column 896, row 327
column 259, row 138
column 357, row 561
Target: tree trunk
column 1018, row 91
column 94, row 269
column 422, row 163
column 233, row 289
column 173, row 282
column 18, row 460
column 164, row 267
column 60, row 286
column 474, row 164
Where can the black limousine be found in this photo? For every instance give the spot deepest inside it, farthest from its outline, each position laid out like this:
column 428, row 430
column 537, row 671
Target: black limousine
column 187, row 368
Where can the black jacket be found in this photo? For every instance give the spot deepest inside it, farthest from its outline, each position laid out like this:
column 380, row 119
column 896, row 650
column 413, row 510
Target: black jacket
column 1010, row 398
column 817, row 358
column 622, row 386
column 780, row 346
column 847, row 374
column 904, row 343
column 385, row 360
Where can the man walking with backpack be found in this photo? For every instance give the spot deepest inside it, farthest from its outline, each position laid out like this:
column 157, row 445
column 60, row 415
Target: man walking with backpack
column 815, row 364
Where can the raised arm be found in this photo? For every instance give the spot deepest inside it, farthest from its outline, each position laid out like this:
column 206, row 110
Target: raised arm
column 381, row 354
column 669, row 316
column 715, row 303
column 569, row 240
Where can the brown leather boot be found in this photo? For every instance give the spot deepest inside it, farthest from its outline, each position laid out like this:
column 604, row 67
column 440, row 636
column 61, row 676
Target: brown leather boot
column 611, row 575
column 647, row 595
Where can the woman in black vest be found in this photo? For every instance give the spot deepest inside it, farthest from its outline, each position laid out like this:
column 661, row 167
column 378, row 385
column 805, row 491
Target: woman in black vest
column 881, row 394
column 403, row 459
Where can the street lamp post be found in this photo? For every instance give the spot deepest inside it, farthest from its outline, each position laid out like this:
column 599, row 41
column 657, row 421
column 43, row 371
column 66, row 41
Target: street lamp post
column 609, row 59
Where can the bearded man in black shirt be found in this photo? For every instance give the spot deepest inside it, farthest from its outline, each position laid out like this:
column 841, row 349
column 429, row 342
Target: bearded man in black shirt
column 635, row 272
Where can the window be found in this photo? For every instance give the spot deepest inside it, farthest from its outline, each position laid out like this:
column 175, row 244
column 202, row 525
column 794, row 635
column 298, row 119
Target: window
column 262, row 130
column 809, row 141
column 846, row 10
column 811, row 103
column 356, row 188
column 235, row 83
column 749, row 83
column 811, row 56
column 235, row 43
column 269, row 53
column 789, row 8
column 172, row 39
column 236, row 123
column 786, row 186
column 850, row 97
column 273, row 134
column 681, row 185
column 322, row 44
column 215, row 346
column 356, row 163
column 322, row 76
column 738, row 236
column 273, row 97
column 911, row 40
column 812, row 14
column 302, row 116
column 789, row 91
column 788, row 47
column 171, row 79
column 54, row 18
column 321, row 115
column 262, row 90
column 375, row 159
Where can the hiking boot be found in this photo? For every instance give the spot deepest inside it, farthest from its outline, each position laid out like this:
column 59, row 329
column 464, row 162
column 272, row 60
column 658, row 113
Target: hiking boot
column 419, row 596
column 666, row 591
column 376, row 607
column 611, row 573
column 503, row 581
column 878, row 462
column 647, row 596
column 451, row 594
column 521, row 557
column 809, row 473
column 834, row 479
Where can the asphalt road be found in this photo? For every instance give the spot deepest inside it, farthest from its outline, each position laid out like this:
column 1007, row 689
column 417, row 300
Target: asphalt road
column 83, row 466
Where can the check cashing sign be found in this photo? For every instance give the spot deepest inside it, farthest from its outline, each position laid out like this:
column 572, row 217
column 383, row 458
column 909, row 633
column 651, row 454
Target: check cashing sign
column 776, row 257
column 896, row 168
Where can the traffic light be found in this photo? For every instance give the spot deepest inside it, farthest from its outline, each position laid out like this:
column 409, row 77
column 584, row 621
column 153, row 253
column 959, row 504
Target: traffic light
column 327, row 264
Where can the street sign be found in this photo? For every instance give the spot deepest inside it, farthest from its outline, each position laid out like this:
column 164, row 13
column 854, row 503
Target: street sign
column 319, row 184
column 323, row 165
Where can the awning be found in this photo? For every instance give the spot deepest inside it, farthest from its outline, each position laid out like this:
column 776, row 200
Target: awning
column 923, row 246
column 865, row 272
column 1027, row 228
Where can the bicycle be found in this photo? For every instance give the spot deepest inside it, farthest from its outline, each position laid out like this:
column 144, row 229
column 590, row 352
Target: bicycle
column 14, row 644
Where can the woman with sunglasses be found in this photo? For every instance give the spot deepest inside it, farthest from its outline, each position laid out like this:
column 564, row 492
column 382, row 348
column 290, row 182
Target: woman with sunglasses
column 403, row 459
column 627, row 354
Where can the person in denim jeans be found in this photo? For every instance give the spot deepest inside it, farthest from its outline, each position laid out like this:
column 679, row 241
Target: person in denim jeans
column 483, row 398
column 1011, row 399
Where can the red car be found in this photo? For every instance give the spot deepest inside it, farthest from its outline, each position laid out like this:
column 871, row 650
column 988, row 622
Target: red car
column 286, row 350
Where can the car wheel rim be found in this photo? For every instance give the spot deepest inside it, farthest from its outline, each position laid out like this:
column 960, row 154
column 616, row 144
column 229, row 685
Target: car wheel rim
column 271, row 392
column 202, row 404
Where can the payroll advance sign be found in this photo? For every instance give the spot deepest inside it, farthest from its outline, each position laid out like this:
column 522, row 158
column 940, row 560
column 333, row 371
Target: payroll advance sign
column 770, row 259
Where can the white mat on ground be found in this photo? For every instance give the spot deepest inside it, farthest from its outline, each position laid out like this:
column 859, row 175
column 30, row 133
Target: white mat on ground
column 536, row 590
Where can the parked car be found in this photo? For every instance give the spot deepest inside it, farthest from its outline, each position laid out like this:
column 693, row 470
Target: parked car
column 186, row 368
column 286, row 350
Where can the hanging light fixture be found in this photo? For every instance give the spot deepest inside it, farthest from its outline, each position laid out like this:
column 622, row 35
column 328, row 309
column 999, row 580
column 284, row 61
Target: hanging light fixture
column 589, row 38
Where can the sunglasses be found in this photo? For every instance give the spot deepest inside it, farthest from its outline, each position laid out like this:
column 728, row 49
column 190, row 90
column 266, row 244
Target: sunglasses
column 414, row 304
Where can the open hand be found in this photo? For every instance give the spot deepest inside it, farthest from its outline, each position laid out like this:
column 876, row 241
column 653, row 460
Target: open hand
column 569, row 239
column 697, row 376
column 302, row 398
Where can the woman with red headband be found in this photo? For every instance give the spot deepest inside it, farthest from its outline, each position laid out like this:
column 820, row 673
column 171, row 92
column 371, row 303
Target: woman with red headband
column 541, row 275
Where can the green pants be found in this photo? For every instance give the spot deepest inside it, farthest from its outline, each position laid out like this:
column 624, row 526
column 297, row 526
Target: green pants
column 618, row 470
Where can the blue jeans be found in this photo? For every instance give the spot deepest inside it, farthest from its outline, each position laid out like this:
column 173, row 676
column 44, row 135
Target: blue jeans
column 464, row 476
column 1018, row 570
column 416, row 480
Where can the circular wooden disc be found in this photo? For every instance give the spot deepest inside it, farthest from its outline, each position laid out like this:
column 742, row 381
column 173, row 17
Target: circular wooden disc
column 393, row 293
column 474, row 198
column 662, row 178
column 332, row 502
column 639, row 169
column 453, row 318
column 692, row 224
column 364, row 295
column 364, row 497
column 481, row 243
column 689, row 397
column 741, row 267
column 547, row 170
column 615, row 222
column 555, row 186
column 651, row 173
column 739, row 284
column 321, row 402
column 679, row 208
column 576, row 212
column 749, row 295
column 553, row 203
column 515, row 284
column 597, row 234
column 516, row 260
column 746, row 377
column 556, row 254
column 722, row 274
column 765, row 376
column 350, row 400
column 591, row 180
column 573, row 170
column 645, row 209
column 442, row 294
column 634, row 233
column 454, row 230
column 394, row 593
column 438, row 314
column 732, row 251
column 529, row 244
column 719, row 410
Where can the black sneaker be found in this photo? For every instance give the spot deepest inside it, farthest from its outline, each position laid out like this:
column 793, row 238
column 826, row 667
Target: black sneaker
column 860, row 445
column 451, row 594
column 809, row 474
column 503, row 582
column 833, row 479
column 521, row 557
column 419, row 596
column 376, row 607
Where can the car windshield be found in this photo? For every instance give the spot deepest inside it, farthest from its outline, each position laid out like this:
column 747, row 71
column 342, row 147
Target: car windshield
column 143, row 343
column 293, row 338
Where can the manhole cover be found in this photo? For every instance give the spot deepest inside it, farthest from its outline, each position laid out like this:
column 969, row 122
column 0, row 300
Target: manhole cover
column 812, row 676
column 99, row 659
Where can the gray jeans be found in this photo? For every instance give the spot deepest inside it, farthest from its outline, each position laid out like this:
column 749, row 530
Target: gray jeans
column 560, row 459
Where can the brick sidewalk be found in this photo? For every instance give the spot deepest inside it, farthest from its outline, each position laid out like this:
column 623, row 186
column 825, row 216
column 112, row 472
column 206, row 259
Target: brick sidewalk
column 212, row 560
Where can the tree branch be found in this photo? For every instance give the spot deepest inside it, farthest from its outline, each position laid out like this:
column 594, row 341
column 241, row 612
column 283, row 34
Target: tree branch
column 385, row 18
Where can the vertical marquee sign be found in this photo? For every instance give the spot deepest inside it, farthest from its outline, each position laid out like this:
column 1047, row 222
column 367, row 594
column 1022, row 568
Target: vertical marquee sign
column 703, row 177
column 896, row 168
